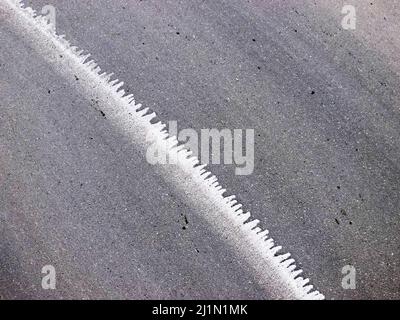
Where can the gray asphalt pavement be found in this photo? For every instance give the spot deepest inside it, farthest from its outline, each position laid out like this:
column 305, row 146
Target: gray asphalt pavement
column 324, row 104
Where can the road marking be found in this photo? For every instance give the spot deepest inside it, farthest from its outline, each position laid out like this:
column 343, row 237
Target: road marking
column 275, row 272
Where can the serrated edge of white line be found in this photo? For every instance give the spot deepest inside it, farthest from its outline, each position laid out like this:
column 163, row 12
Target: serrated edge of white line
column 264, row 245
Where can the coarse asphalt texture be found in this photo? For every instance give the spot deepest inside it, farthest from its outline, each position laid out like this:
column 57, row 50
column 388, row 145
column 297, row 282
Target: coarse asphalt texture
column 325, row 106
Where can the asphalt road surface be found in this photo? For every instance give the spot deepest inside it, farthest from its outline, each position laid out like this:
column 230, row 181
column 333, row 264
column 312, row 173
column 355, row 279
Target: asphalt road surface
column 325, row 106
